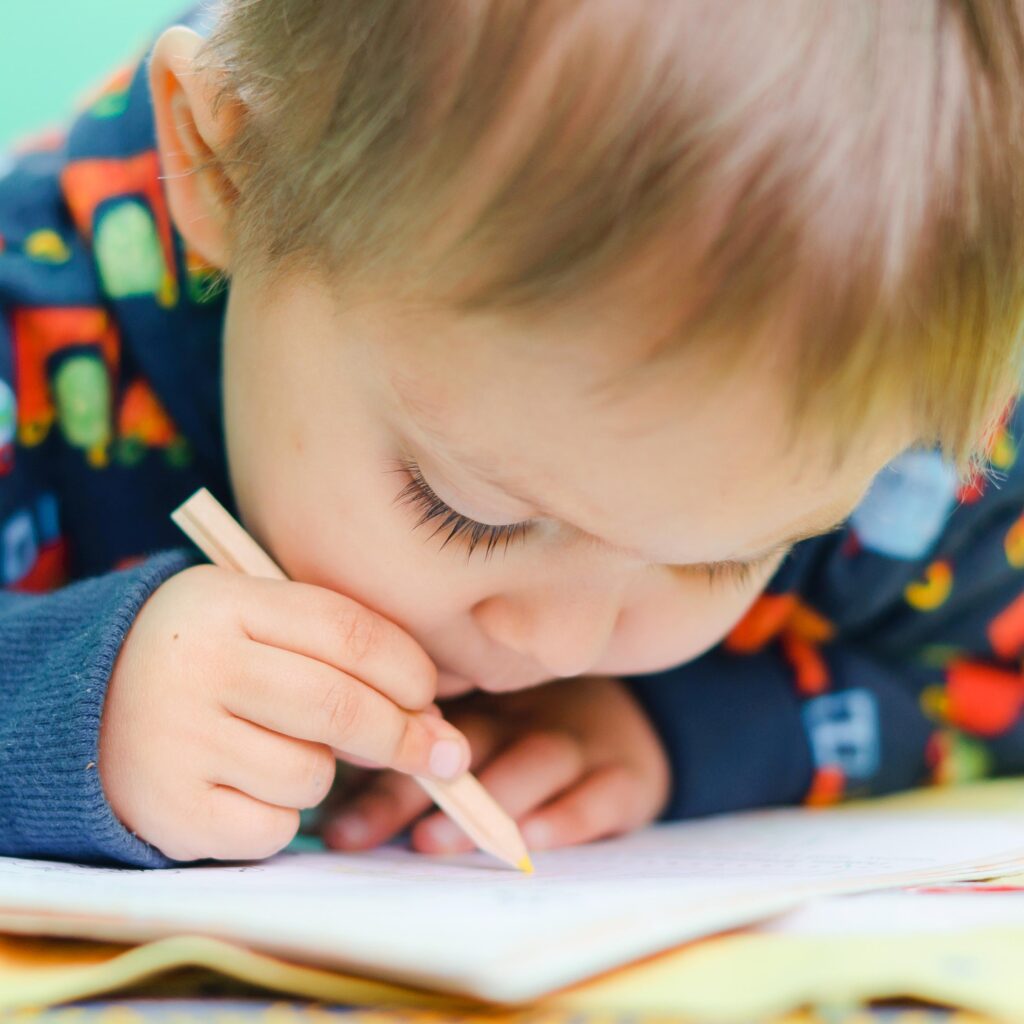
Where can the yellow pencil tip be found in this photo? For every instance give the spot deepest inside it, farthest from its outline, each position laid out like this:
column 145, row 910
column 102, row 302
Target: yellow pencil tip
column 526, row 866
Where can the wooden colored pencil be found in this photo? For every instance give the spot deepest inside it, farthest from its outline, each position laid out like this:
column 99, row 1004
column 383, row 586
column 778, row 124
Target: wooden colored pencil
column 226, row 543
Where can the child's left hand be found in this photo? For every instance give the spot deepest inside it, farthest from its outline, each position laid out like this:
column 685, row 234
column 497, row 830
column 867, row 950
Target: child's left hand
column 571, row 761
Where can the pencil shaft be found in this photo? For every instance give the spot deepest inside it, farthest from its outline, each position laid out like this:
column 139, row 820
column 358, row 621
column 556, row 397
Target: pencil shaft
column 467, row 803
column 226, row 543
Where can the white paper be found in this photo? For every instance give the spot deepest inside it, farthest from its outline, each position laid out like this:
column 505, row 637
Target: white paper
column 469, row 925
column 902, row 913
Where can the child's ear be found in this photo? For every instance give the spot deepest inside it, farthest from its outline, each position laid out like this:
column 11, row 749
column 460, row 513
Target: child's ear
column 191, row 139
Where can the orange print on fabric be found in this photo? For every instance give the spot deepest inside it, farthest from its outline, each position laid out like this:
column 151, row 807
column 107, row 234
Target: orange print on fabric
column 808, row 665
column 799, row 629
column 972, row 491
column 1006, row 631
column 88, row 183
column 809, row 624
column 764, row 620
column 981, row 699
column 40, row 334
column 932, row 590
column 827, row 787
column 142, row 417
column 49, row 572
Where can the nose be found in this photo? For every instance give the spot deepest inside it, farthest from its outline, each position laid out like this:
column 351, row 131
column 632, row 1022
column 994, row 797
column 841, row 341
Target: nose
column 565, row 633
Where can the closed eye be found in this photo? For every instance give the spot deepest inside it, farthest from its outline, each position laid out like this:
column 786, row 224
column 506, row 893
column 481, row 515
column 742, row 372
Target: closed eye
column 418, row 495
column 741, row 573
column 737, row 573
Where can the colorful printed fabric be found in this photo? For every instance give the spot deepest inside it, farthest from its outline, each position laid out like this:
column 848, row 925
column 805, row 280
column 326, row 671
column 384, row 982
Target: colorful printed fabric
column 109, row 417
column 880, row 657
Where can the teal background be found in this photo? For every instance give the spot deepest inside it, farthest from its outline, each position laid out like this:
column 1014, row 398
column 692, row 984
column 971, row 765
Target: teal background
column 52, row 50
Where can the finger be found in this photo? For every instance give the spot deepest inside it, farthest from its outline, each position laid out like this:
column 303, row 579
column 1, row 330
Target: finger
column 272, row 768
column 484, row 732
column 362, row 762
column 378, row 813
column 450, row 685
column 391, row 802
column 526, row 775
column 343, row 633
column 298, row 696
column 603, row 804
column 228, row 825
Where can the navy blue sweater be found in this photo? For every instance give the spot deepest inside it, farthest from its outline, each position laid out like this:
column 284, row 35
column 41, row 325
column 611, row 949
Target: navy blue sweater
column 882, row 656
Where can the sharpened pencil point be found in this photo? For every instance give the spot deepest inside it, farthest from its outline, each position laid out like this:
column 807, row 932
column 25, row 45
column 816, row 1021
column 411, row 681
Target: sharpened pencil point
column 526, row 866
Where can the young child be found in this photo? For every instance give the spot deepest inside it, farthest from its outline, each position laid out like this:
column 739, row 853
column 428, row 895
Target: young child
column 539, row 341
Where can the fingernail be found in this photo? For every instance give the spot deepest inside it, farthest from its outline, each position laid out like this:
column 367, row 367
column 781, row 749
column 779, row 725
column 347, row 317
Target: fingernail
column 349, row 830
column 446, row 759
column 444, row 834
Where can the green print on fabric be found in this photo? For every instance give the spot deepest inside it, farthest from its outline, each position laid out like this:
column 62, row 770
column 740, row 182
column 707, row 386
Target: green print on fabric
column 113, row 104
column 178, row 453
column 81, row 388
column 970, row 759
column 8, row 413
column 128, row 251
column 939, row 655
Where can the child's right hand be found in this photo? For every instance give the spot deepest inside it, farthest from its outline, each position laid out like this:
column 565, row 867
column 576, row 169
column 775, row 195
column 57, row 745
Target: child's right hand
column 231, row 698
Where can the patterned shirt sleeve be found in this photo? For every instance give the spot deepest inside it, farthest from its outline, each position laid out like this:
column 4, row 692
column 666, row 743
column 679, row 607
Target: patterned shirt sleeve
column 60, row 630
column 110, row 417
column 882, row 657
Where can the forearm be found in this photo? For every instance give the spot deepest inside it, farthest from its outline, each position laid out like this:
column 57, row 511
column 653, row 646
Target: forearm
column 57, row 652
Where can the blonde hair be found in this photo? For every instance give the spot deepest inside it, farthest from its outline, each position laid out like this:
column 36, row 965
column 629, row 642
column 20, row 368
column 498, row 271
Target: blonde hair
column 863, row 160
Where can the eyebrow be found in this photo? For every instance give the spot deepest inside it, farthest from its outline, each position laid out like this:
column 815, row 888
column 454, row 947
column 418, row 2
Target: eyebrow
column 480, row 464
column 484, row 468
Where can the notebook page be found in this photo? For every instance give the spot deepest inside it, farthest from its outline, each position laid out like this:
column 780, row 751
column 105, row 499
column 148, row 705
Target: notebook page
column 903, row 912
column 468, row 925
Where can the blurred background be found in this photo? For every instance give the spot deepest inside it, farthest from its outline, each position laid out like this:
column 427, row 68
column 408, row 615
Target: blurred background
column 53, row 50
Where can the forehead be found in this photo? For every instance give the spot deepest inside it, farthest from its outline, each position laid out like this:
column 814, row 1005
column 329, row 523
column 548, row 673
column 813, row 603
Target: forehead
column 692, row 462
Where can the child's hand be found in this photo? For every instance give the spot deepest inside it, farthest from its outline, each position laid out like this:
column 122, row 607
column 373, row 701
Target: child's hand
column 231, row 697
column 571, row 761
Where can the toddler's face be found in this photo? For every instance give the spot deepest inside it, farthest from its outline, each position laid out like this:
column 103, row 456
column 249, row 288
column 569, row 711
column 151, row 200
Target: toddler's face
column 628, row 531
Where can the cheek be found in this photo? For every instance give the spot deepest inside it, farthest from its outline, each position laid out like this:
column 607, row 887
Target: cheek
column 309, row 470
column 675, row 622
column 354, row 541
column 363, row 557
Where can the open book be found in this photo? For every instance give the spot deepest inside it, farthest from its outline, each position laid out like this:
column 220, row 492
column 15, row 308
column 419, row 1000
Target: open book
column 468, row 926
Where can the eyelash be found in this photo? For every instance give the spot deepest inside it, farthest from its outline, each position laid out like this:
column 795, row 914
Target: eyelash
column 418, row 494
column 737, row 573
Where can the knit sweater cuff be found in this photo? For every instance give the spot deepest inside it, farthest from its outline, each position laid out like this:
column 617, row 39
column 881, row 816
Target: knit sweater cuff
column 732, row 730
column 57, row 653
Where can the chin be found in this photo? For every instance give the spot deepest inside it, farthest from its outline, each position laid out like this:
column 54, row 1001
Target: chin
column 454, row 684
